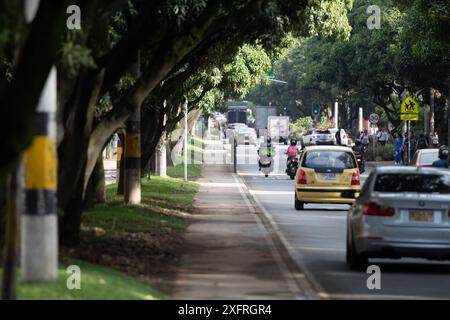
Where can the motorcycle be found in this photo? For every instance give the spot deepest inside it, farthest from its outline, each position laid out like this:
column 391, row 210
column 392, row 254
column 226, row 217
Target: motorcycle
column 360, row 158
column 291, row 167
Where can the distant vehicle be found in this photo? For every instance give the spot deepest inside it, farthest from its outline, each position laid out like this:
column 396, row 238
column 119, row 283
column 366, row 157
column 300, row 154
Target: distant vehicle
column 325, row 174
column 246, row 136
column 324, row 136
column 234, row 126
column 261, row 114
column 401, row 212
column 318, row 136
column 278, row 127
column 237, row 114
column 425, row 157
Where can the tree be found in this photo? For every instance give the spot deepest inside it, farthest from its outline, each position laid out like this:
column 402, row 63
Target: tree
column 94, row 63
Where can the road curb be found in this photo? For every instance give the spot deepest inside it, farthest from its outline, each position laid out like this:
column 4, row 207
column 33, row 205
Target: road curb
column 309, row 288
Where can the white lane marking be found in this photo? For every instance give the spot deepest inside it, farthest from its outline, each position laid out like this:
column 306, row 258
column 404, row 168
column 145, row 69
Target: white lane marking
column 297, row 258
column 289, row 278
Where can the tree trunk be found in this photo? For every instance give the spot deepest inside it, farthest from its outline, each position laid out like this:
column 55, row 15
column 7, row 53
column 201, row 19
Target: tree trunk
column 99, row 181
column 151, row 133
column 95, row 191
column 11, row 237
column 70, row 222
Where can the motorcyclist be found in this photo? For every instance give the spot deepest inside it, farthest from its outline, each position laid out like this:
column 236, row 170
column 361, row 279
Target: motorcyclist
column 443, row 161
column 266, row 152
column 359, row 150
column 292, row 152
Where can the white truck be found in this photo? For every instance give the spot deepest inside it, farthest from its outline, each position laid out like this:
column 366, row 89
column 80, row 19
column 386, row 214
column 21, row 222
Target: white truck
column 278, row 127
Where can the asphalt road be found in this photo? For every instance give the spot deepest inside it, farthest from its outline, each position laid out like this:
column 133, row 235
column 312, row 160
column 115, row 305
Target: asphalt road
column 316, row 237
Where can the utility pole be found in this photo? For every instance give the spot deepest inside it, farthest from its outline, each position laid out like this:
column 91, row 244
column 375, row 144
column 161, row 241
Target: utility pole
column 39, row 221
column 360, row 120
column 185, row 139
column 132, row 176
column 39, row 245
column 431, row 111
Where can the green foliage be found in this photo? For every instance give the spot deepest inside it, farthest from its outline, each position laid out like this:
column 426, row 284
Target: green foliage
column 299, row 127
column 75, row 56
column 368, row 69
column 381, row 153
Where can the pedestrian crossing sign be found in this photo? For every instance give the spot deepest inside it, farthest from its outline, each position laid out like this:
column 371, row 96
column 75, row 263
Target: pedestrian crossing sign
column 409, row 109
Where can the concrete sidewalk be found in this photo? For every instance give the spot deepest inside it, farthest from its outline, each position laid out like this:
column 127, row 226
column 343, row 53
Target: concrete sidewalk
column 229, row 253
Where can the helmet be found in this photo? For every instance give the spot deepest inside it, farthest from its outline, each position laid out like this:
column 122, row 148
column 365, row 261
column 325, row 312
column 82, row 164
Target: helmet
column 293, row 142
column 443, row 152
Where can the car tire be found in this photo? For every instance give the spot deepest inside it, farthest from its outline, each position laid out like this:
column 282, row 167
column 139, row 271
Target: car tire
column 298, row 204
column 355, row 261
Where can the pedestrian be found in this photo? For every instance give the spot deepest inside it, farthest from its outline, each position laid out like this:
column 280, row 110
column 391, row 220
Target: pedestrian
column 398, row 143
column 435, row 140
column 364, row 138
column 383, row 137
column 443, row 161
column 338, row 137
column 422, row 142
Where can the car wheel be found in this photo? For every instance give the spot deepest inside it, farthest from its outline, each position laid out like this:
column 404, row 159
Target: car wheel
column 356, row 261
column 298, row 204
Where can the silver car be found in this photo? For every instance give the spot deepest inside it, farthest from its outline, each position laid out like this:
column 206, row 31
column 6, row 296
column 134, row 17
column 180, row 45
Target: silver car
column 401, row 212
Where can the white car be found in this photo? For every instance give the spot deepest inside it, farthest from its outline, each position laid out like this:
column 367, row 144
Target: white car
column 247, row 136
column 318, row 136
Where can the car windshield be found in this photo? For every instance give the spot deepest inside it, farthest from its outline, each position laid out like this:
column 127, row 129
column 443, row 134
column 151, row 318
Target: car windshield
column 429, row 157
column 329, row 159
column 407, row 182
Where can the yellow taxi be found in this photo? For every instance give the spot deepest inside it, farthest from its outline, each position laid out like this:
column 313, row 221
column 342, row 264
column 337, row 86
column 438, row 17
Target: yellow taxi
column 326, row 174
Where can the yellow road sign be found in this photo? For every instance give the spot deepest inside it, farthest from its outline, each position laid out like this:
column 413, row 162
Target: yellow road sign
column 409, row 116
column 409, row 106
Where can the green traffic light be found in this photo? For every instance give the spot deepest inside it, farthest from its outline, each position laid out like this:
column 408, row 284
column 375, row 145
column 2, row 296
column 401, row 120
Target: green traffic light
column 315, row 110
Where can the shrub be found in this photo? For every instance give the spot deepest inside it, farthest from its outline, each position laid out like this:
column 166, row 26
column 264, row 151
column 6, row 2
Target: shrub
column 381, row 153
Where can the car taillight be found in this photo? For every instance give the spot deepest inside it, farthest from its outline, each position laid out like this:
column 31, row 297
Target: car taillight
column 355, row 179
column 301, row 179
column 449, row 213
column 373, row 209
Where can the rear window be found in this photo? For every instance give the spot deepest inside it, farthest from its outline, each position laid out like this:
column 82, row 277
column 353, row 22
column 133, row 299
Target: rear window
column 322, row 132
column 329, row 159
column 428, row 158
column 421, row 183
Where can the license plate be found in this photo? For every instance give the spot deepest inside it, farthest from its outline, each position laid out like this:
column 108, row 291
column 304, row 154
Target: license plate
column 421, row 215
column 328, row 176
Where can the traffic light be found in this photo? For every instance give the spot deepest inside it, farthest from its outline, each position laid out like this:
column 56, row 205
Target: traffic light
column 315, row 110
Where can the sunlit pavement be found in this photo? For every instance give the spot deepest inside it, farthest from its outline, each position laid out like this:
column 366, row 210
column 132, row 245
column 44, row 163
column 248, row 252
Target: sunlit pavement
column 316, row 237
